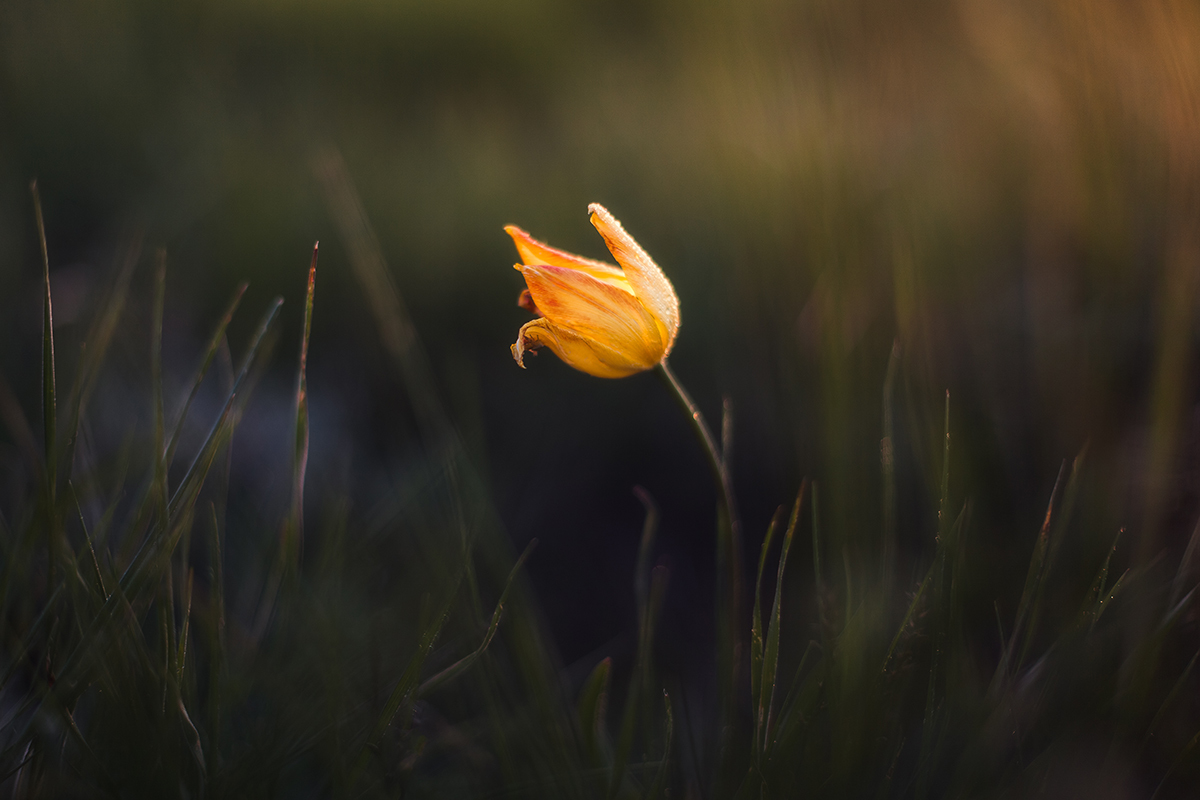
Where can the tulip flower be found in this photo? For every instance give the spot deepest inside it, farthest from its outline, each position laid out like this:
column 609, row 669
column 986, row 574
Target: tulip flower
column 616, row 321
column 600, row 319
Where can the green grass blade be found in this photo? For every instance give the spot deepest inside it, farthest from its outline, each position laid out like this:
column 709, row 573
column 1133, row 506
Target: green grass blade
column 908, row 615
column 887, row 467
column 1054, row 540
column 640, row 680
column 182, row 639
column 210, row 354
column 799, row 701
column 818, row 577
column 593, row 710
column 462, row 665
column 756, row 630
column 770, row 665
column 944, row 496
column 641, row 574
column 658, row 787
column 49, row 401
column 402, row 693
column 294, row 530
column 156, row 385
column 154, row 545
column 1029, row 590
column 1095, row 598
column 95, row 346
column 216, row 679
column 91, row 547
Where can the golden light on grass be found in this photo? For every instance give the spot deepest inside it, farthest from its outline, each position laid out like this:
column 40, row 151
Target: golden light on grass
column 607, row 321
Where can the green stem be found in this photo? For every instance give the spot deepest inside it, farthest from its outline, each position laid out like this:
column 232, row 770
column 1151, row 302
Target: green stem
column 729, row 564
column 716, row 463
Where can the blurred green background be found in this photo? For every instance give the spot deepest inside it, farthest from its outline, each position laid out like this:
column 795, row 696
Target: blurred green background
column 1007, row 193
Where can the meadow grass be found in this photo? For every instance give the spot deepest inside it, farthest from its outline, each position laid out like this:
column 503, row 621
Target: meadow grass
column 141, row 659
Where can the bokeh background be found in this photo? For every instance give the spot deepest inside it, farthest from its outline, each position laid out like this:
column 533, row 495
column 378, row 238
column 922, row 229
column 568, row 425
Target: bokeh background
column 1004, row 194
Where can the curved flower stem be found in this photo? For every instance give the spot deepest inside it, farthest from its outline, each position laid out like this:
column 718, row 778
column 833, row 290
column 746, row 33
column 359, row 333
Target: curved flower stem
column 729, row 561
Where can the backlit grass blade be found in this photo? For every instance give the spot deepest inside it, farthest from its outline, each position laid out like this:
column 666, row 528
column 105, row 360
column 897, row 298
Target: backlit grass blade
column 1093, row 603
column 1028, row 592
column 649, row 589
column 818, row 575
column 908, row 615
column 798, row 704
column 641, row 579
column 294, row 531
column 887, row 467
column 770, row 665
column 216, row 638
column 91, row 546
column 637, row 685
column 49, row 401
column 1054, row 540
column 593, row 710
column 658, row 787
column 154, row 544
column 182, row 639
column 156, row 386
column 940, row 589
column 403, row 692
column 96, row 345
column 462, row 665
column 210, row 353
column 756, row 628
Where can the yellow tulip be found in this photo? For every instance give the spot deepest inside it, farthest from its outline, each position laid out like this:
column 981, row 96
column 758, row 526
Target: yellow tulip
column 603, row 320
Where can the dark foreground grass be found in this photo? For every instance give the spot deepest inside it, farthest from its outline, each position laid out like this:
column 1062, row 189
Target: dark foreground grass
column 398, row 652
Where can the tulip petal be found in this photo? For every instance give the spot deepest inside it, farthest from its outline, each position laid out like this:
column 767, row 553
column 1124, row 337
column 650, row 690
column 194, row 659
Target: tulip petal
column 575, row 351
column 596, row 311
column 533, row 252
column 647, row 279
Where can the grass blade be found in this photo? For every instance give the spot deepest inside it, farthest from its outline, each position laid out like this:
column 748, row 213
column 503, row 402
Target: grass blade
column 887, row 466
column 1093, row 603
column 640, row 679
column 210, row 354
column 658, row 787
column 91, row 547
column 402, row 693
column 156, row 387
column 756, row 631
column 462, row 665
column 48, row 381
column 294, row 531
column 770, row 666
column 593, row 710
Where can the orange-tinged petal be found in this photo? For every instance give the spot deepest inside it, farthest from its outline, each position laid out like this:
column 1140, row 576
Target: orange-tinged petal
column 596, row 311
column 648, row 281
column 525, row 301
column 586, row 356
column 534, row 252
